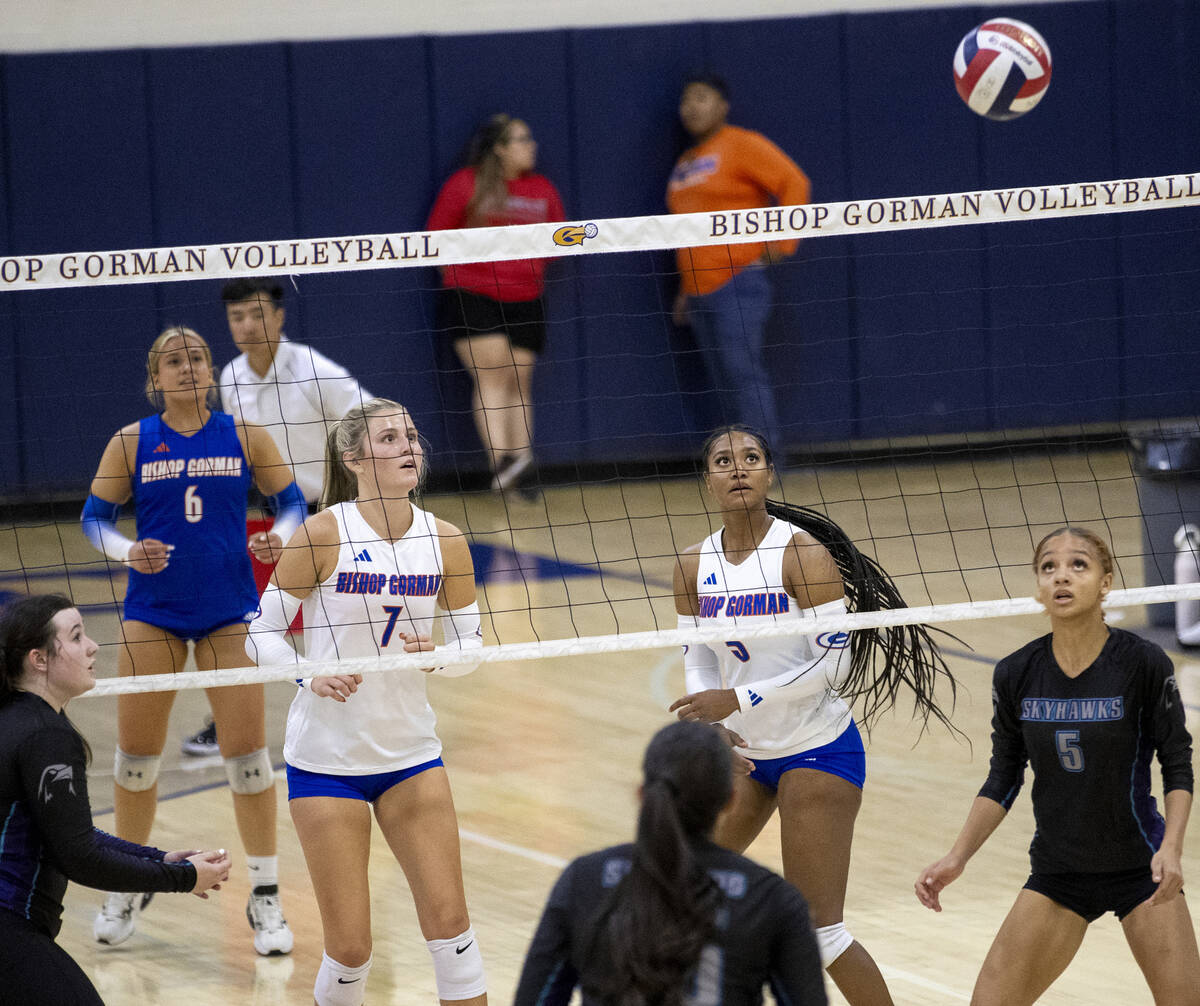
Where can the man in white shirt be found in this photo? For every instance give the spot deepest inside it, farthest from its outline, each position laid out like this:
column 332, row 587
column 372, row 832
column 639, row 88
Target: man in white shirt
column 290, row 389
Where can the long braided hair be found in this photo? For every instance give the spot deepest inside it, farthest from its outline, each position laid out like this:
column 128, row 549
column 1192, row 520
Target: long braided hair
column 882, row 660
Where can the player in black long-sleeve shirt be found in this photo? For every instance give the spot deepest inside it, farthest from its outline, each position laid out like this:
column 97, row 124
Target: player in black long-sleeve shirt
column 1087, row 707
column 674, row 918
column 46, row 831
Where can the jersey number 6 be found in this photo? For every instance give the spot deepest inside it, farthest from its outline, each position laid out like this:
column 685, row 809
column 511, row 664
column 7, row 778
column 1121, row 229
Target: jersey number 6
column 193, row 506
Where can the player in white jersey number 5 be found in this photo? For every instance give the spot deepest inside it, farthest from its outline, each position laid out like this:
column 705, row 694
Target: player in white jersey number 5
column 374, row 572
column 790, row 698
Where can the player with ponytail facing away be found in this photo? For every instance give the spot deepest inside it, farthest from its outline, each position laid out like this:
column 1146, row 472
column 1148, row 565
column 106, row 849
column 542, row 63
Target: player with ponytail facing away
column 375, row 575
column 187, row 469
column 787, row 702
column 674, row 918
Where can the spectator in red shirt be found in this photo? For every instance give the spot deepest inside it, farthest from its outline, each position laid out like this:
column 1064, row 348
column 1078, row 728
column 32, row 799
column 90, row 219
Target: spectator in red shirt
column 493, row 311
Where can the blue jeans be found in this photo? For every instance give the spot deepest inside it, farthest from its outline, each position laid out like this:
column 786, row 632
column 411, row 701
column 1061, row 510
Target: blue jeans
column 730, row 327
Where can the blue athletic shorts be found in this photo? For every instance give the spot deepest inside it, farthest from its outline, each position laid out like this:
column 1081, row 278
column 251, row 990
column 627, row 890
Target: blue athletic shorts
column 843, row 757
column 350, row 787
column 183, row 630
column 1092, row 894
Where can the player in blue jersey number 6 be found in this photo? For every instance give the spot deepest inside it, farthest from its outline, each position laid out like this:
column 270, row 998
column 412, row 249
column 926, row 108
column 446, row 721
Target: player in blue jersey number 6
column 375, row 573
column 790, row 698
column 187, row 469
column 1087, row 707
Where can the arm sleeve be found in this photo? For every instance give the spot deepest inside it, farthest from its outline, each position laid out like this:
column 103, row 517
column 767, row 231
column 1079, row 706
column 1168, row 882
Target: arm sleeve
column 99, row 520
column 461, row 630
column 1009, row 757
column 266, row 640
column 1171, row 738
column 548, row 977
column 796, row 975
column 701, row 669
column 825, row 671
column 54, row 776
column 290, row 510
column 132, row 848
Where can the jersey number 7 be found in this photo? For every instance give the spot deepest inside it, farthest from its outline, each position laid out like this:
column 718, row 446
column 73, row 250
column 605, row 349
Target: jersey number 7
column 393, row 611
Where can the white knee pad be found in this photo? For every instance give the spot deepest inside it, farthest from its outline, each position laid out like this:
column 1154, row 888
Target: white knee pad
column 250, row 774
column 136, row 773
column 338, row 985
column 832, row 942
column 458, row 966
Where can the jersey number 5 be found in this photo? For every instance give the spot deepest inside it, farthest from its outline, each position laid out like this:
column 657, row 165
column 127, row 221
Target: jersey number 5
column 1069, row 751
column 738, row 649
column 193, row 506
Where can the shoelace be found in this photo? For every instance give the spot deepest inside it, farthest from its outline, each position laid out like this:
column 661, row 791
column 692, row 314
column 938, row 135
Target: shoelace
column 268, row 914
column 126, row 903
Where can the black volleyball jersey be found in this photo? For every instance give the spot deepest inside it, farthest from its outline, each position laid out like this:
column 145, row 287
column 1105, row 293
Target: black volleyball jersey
column 46, row 832
column 1089, row 741
column 764, row 936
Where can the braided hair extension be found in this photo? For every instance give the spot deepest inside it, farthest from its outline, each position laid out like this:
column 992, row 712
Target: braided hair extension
column 881, row 659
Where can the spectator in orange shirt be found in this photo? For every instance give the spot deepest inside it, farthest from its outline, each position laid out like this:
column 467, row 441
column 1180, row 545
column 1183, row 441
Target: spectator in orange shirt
column 724, row 290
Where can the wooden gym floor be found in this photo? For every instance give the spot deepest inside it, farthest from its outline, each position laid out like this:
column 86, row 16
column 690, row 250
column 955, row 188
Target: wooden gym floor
column 543, row 756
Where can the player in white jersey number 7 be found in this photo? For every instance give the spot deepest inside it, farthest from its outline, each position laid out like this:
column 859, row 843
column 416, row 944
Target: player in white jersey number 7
column 374, row 573
column 790, row 698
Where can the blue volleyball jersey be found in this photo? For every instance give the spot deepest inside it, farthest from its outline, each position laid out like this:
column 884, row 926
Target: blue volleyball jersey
column 190, row 492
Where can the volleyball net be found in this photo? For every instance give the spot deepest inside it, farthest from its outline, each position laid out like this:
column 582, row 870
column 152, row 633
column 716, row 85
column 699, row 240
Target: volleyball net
column 949, row 388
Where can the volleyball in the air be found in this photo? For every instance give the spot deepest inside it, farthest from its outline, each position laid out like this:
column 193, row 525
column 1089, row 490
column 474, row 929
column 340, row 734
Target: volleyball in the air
column 1002, row 68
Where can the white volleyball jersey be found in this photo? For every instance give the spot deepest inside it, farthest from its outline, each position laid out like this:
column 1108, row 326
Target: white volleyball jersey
column 752, row 593
column 377, row 590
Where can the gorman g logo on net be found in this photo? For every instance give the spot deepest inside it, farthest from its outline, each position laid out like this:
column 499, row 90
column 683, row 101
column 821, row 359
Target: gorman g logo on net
column 566, row 237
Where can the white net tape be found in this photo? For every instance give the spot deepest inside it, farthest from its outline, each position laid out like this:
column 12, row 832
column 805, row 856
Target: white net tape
column 620, row 234
column 624, row 643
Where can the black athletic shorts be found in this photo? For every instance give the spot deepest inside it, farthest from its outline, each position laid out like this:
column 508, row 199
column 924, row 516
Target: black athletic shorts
column 463, row 315
column 36, row 971
column 1092, row 894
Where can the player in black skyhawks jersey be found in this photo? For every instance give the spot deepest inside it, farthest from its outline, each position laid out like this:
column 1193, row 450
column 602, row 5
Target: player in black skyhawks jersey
column 673, row 918
column 46, row 831
column 1087, row 707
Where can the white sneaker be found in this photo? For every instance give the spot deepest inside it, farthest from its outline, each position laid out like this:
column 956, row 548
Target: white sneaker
column 271, row 932
column 118, row 917
column 1187, row 538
